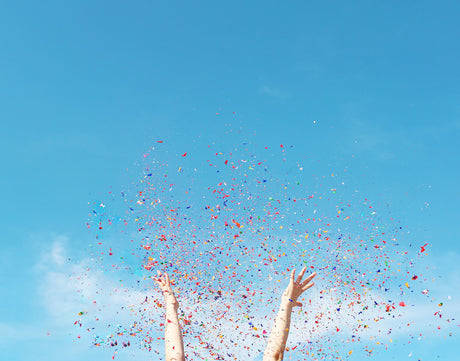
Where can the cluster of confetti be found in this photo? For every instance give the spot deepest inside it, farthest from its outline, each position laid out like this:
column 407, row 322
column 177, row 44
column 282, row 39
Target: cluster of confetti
column 229, row 225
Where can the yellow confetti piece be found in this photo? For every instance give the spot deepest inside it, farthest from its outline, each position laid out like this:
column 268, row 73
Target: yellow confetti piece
column 407, row 285
column 350, row 352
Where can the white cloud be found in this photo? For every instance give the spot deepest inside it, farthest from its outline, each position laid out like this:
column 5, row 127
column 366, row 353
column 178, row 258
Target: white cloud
column 365, row 136
column 70, row 287
column 273, row 92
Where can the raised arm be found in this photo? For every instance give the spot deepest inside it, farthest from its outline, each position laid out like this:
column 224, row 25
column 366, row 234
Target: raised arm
column 174, row 346
column 280, row 332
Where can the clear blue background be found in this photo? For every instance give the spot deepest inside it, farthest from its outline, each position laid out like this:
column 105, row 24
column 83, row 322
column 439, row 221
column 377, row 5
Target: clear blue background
column 87, row 86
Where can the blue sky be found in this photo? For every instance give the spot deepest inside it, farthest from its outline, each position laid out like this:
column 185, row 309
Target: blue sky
column 87, row 88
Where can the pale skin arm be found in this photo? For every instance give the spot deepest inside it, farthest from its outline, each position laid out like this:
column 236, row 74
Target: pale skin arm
column 277, row 341
column 174, row 345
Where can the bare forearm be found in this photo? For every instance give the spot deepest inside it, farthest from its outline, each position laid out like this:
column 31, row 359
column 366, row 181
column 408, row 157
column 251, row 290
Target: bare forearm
column 174, row 346
column 280, row 332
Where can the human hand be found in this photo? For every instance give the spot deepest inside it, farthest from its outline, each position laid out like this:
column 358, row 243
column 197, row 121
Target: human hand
column 296, row 287
column 165, row 286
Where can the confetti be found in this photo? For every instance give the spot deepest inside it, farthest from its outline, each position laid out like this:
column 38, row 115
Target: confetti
column 228, row 227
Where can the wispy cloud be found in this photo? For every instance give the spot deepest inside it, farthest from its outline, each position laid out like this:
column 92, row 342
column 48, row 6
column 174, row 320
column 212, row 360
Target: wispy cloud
column 66, row 288
column 385, row 142
column 273, row 92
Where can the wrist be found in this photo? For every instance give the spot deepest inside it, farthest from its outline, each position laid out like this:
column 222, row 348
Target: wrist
column 167, row 293
column 170, row 298
column 287, row 302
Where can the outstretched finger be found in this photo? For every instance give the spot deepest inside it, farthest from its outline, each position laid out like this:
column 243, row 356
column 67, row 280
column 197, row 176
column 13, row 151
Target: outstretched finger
column 308, row 279
column 299, row 277
column 307, row 286
column 168, row 282
column 292, row 275
column 158, row 279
